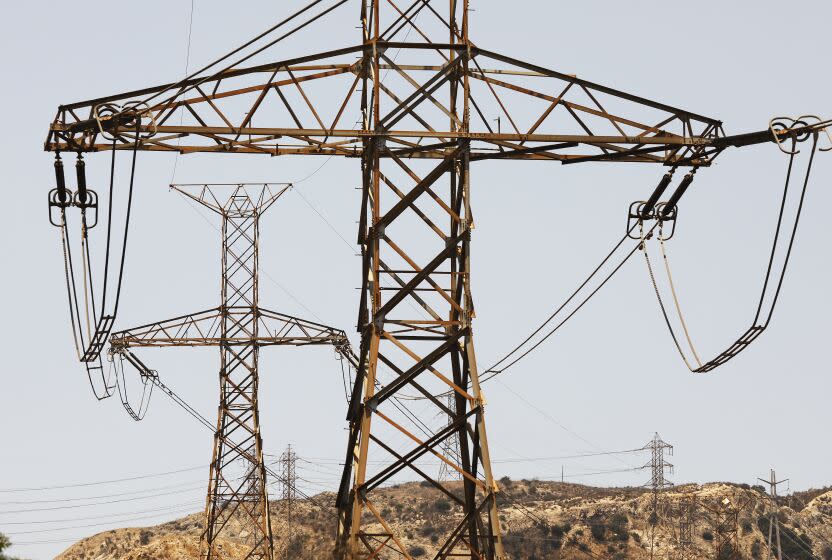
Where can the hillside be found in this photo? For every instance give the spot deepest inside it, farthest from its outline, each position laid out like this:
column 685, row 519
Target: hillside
column 541, row 520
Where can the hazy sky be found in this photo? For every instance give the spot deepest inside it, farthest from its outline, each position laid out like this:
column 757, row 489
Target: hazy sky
column 606, row 382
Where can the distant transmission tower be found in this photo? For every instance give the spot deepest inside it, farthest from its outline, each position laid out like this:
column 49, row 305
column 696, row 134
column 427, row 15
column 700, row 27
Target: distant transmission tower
column 773, row 521
column 289, row 492
column 658, row 482
column 658, row 466
column 450, row 447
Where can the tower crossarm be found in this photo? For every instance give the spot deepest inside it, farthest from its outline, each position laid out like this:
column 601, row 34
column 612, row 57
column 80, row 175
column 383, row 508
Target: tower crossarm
column 310, row 106
column 204, row 328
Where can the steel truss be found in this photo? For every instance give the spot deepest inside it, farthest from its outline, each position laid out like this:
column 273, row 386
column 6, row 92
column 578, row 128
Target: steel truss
column 416, row 115
column 239, row 327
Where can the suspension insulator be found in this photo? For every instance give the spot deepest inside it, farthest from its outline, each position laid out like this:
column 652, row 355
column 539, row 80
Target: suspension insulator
column 654, row 198
column 60, row 181
column 81, row 175
column 677, row 194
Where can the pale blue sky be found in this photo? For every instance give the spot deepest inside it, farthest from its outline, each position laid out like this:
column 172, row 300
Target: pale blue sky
column 612, row 377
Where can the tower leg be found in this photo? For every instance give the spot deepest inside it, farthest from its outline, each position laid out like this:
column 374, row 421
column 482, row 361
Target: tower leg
column 417, row 339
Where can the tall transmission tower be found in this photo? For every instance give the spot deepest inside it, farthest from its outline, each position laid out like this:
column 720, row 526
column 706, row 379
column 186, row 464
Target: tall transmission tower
column 288, row 492
column 773, row 520
column 420, row 92
column 239, row 327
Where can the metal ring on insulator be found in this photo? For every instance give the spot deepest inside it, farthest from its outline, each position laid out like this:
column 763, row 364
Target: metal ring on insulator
column 55, row 202
column 664, row 215
column 634, row 216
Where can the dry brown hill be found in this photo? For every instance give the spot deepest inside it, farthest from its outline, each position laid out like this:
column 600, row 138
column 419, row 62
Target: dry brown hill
column 541, row 520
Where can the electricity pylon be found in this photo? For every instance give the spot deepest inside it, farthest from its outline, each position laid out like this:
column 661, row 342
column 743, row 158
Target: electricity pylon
column 421, row 94
column 450, row 448
column 658, row 466
column 773, row 520
column 658, row 482
column 289, row 492
column 239, row 327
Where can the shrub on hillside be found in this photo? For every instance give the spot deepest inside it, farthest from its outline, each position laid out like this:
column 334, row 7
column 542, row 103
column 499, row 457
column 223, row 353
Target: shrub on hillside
column 417, row 551
column 442, row 506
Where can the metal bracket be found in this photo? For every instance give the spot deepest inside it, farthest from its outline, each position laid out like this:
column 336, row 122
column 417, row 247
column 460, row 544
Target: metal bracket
column 90, row 204
column 127, row 112
column 663, row 218
column 781, row 124
column 56, row 202
column 636, row 214
column 825, row 131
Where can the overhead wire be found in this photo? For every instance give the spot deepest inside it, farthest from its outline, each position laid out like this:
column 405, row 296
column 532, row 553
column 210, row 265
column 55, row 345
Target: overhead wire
column 100, row 482
column 75, row 506
column 104, row 516
column 182, row 109
column 554, row 421
column 98, row 497
column 183, row 88
column 91, row 352
column 757, row 325
column 496, row 370
column 88, row 525
column 560, row 457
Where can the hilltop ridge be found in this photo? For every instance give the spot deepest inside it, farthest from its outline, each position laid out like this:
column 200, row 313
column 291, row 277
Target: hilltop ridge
column 540, row 520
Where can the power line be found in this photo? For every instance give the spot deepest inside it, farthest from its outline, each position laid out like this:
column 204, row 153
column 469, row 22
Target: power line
column 182, row 109
column 492, row 372
column 100, row 482
column 74, row 506
column 554, row 421
column 559, row 457
column 86, row 498
column 86, row 526
column 107, row 516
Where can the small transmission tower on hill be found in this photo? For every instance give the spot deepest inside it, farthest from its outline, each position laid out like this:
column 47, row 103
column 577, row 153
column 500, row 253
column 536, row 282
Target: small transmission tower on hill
column 773, row 521
column 289, row 492
column 658, row 465
column 239, row 327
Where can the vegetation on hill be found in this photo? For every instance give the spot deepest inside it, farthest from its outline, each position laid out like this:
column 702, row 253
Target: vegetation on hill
column 540, row 520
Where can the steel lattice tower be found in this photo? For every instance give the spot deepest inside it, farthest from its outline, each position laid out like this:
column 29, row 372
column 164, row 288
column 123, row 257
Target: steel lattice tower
column 238, row 437
column 288, row 487
column 237, row 492
column 450, row 448
column 658, row 466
